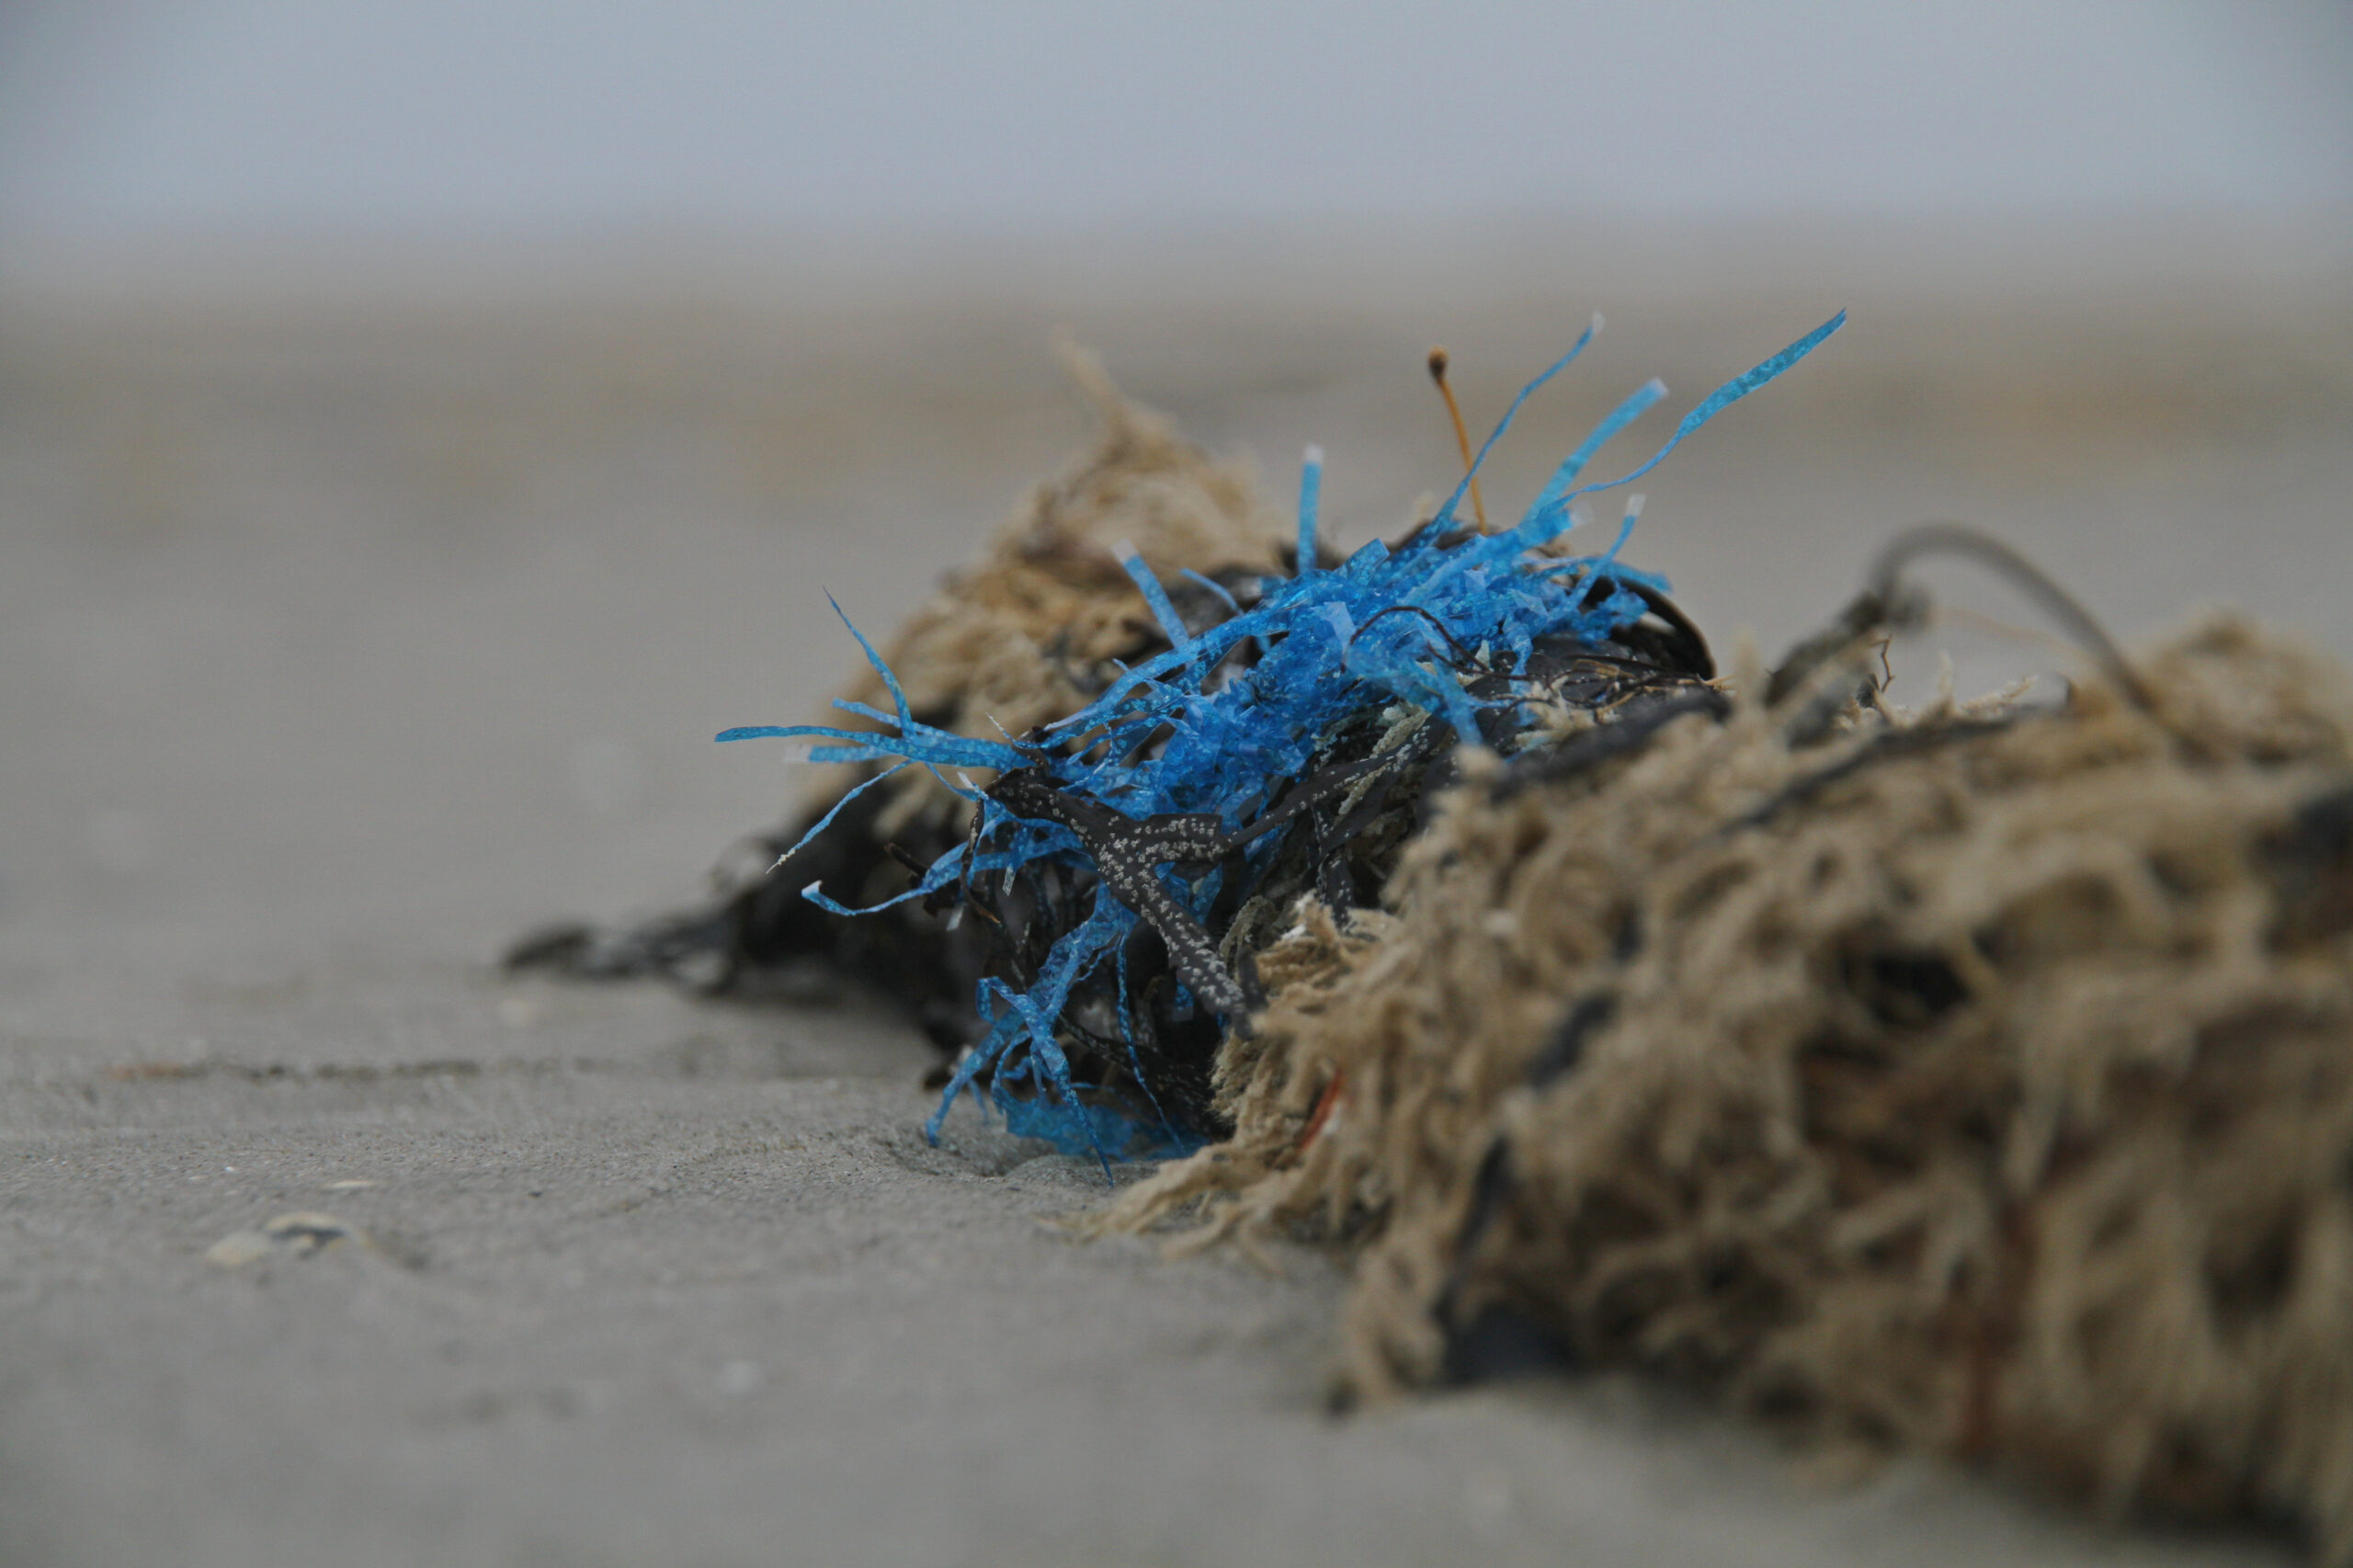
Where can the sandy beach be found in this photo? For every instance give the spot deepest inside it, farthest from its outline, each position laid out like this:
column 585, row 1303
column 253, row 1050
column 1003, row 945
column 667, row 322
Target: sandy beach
column 352, row 624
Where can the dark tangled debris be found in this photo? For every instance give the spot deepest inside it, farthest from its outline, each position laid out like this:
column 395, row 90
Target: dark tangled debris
column 1132, row 856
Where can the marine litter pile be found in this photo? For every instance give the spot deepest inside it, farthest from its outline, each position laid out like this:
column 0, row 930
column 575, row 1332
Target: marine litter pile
column 1976, row 1080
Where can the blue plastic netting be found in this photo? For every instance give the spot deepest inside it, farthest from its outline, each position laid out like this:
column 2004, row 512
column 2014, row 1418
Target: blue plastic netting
column 1153, row 789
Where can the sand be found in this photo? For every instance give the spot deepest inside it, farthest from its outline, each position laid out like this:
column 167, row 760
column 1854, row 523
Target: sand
column 344, row 633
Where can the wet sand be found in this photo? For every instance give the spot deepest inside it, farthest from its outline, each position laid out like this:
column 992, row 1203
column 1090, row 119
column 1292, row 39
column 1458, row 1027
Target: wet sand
column 347, row 628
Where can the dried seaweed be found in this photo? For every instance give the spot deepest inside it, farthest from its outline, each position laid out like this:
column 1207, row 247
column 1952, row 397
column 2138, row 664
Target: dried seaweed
column 1977, row 1081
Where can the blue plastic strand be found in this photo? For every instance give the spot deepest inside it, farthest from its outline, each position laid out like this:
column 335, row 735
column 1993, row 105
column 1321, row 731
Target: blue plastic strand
column 1213, row 585
column 1723, row 397
column 1638, row 403
column 1445, row 515
column 1311, row 501
column 827, row 820
column 1163, row 609
column 890, row 681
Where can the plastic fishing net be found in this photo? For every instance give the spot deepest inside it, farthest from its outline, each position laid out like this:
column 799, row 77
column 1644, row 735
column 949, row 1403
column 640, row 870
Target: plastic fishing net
column 1134, row 854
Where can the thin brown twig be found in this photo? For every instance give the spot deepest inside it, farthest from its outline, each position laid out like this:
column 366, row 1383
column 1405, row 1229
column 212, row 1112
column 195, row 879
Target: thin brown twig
column 1461, row 432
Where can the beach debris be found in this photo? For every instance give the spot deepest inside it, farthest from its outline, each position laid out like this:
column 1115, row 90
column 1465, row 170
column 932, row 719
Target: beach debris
column 1133, row 856
column 1975, row 1080
column 1027, row 636
column 143, row 1072
column 298, row 1234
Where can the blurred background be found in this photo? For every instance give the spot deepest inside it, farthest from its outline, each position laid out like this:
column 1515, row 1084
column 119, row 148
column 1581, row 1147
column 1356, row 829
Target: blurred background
column 421, row 426
column 424, row 426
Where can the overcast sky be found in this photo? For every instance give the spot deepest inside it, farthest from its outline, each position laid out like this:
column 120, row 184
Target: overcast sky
column 461, row 115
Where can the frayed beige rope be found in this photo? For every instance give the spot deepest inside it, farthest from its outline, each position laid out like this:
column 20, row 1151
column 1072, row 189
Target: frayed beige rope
column 1992, row 1097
